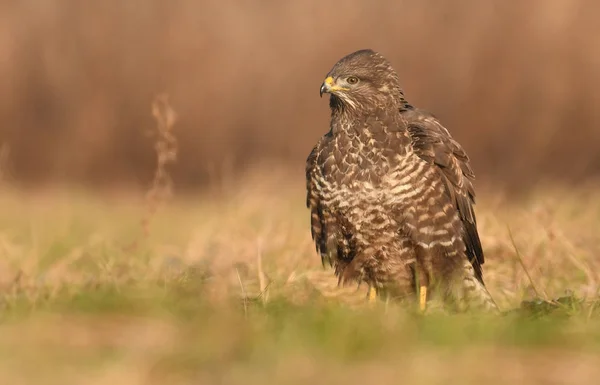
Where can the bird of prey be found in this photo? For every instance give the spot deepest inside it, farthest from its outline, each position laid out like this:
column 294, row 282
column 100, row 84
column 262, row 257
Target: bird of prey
column 390, row 193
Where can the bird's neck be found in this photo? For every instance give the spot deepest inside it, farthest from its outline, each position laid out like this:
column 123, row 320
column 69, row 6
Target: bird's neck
column 357, row 111
column 380, row 121
column 347, row 120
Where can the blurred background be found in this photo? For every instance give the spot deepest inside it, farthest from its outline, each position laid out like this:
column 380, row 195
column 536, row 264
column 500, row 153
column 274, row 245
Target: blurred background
column 98, row 288
column 515, row 82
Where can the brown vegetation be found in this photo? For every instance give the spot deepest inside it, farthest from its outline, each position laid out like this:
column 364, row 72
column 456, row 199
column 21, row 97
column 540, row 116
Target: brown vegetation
column 76, row 307
column 516, row 82
column 109, row 288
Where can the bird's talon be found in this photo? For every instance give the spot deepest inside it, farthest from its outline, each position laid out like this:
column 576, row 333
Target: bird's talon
column 372, row 295
column 422, row 298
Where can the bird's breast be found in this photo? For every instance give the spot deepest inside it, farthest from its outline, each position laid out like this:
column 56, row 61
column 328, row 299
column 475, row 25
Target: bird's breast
column 371, row 175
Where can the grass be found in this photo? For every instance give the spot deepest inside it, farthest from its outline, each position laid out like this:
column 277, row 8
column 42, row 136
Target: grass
column 225, row 287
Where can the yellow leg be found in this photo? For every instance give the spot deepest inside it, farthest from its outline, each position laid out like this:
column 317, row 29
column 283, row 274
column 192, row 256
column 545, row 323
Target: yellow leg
column 372, row 295
column 422, row 297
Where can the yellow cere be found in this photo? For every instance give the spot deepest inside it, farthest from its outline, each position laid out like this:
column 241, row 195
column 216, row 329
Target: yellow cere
column 329, row 81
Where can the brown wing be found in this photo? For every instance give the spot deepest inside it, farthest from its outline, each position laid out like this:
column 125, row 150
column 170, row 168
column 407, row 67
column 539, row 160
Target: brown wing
column 433, row 143
column 313, row 201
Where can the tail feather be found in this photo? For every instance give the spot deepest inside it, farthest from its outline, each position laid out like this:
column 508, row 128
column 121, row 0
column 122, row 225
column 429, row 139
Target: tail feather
column 471, row 293
column 477, row 296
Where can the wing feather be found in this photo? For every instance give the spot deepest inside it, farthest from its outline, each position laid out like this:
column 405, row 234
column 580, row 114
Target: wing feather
column 313, row 201
column 433, row 143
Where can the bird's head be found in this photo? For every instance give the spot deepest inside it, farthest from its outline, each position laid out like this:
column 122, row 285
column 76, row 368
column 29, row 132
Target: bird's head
column 363, row 78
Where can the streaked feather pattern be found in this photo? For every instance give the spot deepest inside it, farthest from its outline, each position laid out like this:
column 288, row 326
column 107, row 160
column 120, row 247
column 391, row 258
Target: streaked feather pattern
column 390, row 192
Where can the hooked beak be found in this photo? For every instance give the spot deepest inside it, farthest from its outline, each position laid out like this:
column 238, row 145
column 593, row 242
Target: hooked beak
column 327, row 86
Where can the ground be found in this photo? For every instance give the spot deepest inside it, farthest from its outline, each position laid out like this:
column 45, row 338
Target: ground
column 226, row 287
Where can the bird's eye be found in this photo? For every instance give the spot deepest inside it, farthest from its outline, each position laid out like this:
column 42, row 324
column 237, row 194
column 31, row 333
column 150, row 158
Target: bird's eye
column 352, row 80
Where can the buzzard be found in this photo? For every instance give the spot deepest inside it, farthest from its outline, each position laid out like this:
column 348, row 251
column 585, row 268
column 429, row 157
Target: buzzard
column 390, row 192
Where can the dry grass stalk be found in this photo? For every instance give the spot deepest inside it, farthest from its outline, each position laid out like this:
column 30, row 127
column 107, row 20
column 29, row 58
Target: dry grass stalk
column 262, row 279
column 166, row 152
column 165, row 146
column 520, row 259
column 244, row 296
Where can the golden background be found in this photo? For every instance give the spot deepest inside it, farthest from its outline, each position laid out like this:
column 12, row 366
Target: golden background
column 515, row 82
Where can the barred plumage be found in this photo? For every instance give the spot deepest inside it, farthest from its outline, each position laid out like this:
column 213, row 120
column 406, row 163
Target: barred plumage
column 390, row 191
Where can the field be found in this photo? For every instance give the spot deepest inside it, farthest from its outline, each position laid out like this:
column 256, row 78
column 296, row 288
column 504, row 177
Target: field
column 207, row 273
column 225, row 287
